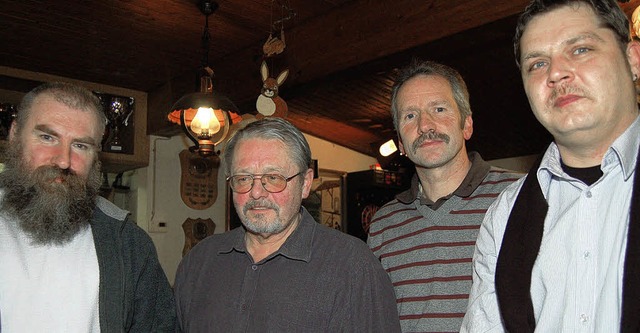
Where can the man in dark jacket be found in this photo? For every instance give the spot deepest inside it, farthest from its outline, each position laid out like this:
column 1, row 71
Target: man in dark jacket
column 69, row 259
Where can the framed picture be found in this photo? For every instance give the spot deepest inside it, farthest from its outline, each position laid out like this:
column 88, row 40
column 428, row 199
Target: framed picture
column 325, row 199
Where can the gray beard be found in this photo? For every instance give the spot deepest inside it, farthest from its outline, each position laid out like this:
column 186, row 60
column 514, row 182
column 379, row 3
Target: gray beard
column 260, row 226
column 48, row 211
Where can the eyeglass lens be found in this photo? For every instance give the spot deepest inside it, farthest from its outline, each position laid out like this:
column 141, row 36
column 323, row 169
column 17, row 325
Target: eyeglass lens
column 273, row 183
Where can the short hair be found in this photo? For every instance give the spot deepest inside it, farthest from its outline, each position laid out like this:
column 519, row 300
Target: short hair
column 75, row 97
column 272, row 129
column 608, row 12
column 428, row 68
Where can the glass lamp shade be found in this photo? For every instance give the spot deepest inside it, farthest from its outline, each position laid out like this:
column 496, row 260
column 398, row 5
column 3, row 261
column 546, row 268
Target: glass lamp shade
column 635, row 22
column 204, row 134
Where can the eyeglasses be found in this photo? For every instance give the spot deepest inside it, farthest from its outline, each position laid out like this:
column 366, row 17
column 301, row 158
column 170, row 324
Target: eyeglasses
column 271, row 182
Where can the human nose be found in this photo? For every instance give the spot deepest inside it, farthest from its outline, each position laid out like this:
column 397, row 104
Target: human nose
column 257, row 190
column 559, row 70
column 62, row 157
column 425, row 123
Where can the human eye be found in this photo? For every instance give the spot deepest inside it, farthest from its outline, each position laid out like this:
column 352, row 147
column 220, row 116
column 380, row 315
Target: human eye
column 46, row 137
column 242, row 179
column 82, row 146
column 439, row 109
column 273, row 178
column 408, row 116
column 581, row 50
column 536, row 65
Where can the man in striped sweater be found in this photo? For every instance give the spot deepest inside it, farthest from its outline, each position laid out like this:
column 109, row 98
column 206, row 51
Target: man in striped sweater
column 425, row 237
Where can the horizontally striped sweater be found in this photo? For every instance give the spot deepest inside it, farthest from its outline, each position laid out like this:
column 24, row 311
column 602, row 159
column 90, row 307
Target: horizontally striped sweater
column 427, row 252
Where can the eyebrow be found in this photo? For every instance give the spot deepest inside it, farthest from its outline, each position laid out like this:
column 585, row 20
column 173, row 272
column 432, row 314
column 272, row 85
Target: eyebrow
column 437, row 102
column 46, row 129
column 568, row 42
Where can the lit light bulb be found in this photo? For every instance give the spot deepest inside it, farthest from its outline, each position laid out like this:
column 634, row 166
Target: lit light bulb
column 388, row 148
column 635, row 22
column 205, row 122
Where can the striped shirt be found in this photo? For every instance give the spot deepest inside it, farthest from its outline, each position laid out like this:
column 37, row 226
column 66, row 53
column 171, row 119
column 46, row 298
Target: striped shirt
column 427, row 247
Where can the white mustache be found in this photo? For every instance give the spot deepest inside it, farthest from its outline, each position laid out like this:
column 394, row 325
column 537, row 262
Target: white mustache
column 259, row 203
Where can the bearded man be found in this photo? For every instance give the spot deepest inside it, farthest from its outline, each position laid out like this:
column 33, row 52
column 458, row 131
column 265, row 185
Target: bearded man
column 70, row 261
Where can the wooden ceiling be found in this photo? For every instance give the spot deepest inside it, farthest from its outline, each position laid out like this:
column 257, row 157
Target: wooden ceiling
column 342, row 56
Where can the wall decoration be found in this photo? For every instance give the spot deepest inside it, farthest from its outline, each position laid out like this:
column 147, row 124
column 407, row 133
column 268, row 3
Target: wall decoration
column 196, row 230
column 325, row 199
column 274, row 45
column 199, row 179
column 269, row 103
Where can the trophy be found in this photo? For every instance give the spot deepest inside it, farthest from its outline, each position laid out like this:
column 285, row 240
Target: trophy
column 7, row 114
column 118, row 110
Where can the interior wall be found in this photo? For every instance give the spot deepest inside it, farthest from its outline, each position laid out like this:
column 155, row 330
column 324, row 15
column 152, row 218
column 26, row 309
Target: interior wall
column 160, row 200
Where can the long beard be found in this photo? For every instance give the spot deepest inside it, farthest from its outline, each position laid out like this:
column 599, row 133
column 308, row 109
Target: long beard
column 49, row 211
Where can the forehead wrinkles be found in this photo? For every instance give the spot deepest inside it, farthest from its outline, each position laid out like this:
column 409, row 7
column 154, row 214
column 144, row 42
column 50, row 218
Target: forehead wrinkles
column 425, row 91
column 559, row 28
column 259, row 156
column 561, row 44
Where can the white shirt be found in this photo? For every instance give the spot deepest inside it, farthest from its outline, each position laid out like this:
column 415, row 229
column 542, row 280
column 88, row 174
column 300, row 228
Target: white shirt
column 577, row 278
column 47, row 288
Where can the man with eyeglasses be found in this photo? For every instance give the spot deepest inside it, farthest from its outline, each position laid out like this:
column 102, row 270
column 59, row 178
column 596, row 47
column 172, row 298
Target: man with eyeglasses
column 282, row 271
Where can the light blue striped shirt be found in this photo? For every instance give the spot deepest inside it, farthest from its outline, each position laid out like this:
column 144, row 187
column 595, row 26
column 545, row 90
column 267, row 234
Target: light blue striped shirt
column 577, row 278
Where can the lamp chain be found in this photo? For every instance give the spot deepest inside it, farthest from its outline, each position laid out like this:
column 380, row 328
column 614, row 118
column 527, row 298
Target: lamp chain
column 206, row 38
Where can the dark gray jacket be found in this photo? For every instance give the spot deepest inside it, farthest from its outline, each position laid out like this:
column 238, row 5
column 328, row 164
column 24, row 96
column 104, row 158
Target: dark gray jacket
column 135, row 295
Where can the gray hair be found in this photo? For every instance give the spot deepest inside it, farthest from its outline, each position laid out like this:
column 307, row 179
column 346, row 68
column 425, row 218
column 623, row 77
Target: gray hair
column 418, row 67
column 272, row 129
column 608, row 12
column 75, row 97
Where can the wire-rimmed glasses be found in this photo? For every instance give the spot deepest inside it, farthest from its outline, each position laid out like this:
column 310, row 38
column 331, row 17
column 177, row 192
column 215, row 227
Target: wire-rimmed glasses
column 271, row 182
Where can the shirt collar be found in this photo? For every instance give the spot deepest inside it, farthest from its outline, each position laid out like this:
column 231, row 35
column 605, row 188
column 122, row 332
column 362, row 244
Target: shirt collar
column 623, row 152
column 478, row 171
column 296, row 247
column 625, row 148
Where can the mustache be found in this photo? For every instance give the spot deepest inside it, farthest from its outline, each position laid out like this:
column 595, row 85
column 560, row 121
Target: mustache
column 430, row 135
column 49, row 172
column 562, row 90
column 45, row 175
column 259, row 203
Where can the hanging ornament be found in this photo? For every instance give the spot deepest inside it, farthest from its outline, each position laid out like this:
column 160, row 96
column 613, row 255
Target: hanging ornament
column 276, row 44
